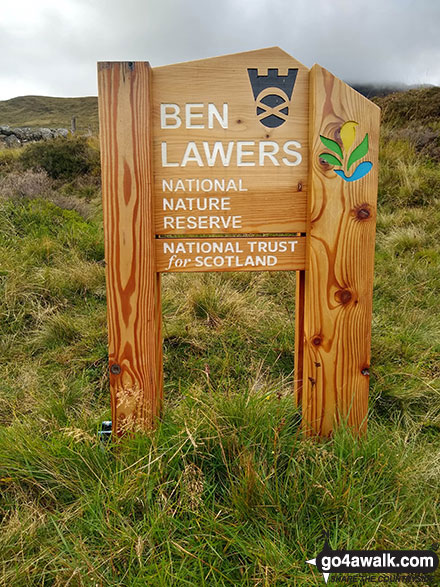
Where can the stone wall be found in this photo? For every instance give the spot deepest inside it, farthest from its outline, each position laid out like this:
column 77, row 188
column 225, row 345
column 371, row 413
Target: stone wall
column 15, row 137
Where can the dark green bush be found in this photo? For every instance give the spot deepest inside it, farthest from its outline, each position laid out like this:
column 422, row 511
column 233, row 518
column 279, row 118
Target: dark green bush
column 62, row 158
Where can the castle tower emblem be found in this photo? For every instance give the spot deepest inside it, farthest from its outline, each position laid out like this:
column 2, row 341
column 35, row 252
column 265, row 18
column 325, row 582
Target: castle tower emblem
column 272, row 94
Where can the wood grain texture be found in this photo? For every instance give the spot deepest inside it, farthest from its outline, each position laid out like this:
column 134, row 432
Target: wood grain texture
column 340, row 258
column 299, row 337
column 275, row 200
column 176, row 255
column 262, row 213
column 133, row 287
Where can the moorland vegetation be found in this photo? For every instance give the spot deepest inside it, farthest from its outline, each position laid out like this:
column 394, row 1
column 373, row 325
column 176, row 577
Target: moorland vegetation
column 225, row 491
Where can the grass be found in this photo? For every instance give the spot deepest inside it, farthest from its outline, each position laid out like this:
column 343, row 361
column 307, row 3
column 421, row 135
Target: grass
column 225, row 491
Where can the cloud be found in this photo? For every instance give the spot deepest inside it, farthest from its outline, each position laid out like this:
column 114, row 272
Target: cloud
column 51, row 47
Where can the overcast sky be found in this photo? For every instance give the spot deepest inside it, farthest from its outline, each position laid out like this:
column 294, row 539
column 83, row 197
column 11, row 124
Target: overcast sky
column 50, row 47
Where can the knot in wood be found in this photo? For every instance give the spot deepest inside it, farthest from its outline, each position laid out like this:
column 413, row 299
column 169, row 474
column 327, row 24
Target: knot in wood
column 362, row 212
column 115, row 369
column 317, row 340
column 344, row 296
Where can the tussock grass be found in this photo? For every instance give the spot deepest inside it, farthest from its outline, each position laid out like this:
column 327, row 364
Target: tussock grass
column 226, row 490
column 406, row 178
column 8, row 160
column 223, row 333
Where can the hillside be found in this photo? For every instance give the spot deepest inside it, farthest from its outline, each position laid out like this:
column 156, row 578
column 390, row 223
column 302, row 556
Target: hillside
column 226, row 491
column 35, row 111
column 50, row 112
column 381, row 90
column 416, row 106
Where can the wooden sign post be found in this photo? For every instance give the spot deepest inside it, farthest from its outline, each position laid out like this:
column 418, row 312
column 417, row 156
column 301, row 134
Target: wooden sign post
column 248, row 162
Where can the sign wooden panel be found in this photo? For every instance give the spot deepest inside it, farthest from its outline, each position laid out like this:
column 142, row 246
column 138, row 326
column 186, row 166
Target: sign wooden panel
column 230, row 139
column 231, row 254
column 339, row 278
column 224, row 165
column 298, row 369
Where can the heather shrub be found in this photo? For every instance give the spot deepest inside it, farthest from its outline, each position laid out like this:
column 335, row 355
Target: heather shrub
column 62, row 158
column 402, row 108
column 25, row 184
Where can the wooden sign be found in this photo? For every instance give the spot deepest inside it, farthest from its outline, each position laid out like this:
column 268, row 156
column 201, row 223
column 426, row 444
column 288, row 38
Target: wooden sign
column 230, row 254
column 230, row 138
column 247, row 162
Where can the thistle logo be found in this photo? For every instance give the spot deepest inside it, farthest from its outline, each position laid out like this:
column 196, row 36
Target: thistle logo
column 272, row 93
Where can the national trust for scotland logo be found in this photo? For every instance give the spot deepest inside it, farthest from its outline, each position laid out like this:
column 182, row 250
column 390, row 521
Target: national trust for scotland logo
column 272, row 94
